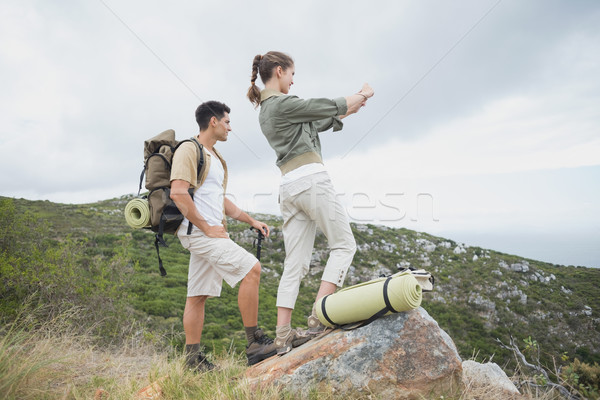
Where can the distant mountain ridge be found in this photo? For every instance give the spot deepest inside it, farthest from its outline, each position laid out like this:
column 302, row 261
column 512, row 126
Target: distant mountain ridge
column 480, row 294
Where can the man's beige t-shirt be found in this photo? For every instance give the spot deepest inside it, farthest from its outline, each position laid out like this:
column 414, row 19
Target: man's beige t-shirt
column 209, row 197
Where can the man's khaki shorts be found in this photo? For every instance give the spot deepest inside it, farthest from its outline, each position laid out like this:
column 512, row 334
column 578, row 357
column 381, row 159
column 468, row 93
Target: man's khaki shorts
column 213, row 260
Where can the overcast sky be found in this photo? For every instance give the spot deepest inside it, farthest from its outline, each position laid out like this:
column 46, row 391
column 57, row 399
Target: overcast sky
column 484, row 127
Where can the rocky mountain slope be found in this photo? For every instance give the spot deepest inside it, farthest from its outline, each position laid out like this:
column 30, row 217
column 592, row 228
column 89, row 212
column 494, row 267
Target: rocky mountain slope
column 480, row 294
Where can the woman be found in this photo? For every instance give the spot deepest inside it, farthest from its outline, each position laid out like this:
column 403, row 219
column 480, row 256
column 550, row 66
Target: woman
column 307, row 199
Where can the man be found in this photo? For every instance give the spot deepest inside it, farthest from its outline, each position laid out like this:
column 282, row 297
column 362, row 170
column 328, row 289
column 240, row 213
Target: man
column 214, row 257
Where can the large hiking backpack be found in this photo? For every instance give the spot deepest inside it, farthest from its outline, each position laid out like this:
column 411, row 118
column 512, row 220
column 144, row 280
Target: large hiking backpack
column 165, row 217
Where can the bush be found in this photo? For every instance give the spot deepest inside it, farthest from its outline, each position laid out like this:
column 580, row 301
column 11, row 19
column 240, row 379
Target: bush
column 35, row 270
column 585, row 378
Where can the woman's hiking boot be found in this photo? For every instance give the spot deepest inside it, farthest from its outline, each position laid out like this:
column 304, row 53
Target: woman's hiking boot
column 294, row 338
column 315, row 327
column 261, row 348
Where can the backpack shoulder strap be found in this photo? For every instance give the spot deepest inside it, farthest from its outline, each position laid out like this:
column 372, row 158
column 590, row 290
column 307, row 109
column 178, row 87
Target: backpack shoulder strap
column 200, row 170
column 200, row 160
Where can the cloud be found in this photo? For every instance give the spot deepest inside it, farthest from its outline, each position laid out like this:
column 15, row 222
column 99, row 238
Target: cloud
column 470, row 96
column 558, row 130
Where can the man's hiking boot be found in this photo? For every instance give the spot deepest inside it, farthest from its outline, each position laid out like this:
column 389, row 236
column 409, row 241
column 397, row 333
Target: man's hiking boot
column 196, row 360
column 295, row 338
column 261, row 349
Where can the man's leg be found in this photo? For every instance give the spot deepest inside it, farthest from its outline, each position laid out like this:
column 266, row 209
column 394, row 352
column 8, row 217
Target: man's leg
column 193, row 323
column 193, row 318
column 203, row 282
column 260, row 346
column 248, row 296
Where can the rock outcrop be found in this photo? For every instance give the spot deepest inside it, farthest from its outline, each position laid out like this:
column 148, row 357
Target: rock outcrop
column 488, row 376
column 402, row 356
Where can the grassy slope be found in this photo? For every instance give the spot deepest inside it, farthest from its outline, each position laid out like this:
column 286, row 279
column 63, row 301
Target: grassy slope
column 478, row 297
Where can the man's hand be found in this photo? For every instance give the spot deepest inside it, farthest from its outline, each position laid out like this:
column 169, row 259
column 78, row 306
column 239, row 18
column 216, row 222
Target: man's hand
column 234, row 211
column 185, row 203
column 261, row 226
column 215, row 231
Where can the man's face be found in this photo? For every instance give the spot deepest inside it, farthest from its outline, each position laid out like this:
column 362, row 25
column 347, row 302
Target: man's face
column 223, row 127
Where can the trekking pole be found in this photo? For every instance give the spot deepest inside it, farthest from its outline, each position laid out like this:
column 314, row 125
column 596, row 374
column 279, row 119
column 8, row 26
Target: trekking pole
column 258, row 241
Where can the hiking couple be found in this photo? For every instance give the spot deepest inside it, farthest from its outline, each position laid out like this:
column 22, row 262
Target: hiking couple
column 307, row 200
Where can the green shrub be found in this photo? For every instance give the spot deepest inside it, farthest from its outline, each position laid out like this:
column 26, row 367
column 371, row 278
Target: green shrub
column 585, row 378
column 57, row 274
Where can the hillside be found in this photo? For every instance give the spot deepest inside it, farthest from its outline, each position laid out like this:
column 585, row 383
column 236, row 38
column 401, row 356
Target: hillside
column 480, row 294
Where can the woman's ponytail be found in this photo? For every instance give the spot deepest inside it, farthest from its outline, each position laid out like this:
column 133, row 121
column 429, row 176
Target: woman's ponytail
column 254, row 91
column 264, row 66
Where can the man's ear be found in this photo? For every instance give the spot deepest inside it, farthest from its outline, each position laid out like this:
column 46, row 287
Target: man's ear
column 213, row 121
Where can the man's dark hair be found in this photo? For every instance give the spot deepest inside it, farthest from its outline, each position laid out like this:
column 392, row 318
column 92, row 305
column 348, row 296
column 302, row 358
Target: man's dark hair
column 209, row 109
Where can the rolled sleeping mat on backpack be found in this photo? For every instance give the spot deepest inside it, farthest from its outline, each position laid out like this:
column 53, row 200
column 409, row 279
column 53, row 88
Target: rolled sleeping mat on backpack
column 137, row 213
column 399, row 292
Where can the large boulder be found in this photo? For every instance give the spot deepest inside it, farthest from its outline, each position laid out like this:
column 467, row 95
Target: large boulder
column 402, row 356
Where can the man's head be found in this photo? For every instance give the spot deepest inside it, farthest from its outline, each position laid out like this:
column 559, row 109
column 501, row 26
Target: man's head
column 207, row 110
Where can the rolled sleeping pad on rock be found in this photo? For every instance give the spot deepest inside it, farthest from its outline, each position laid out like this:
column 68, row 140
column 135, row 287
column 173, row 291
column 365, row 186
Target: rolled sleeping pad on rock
column 370, row 300
column 137, row 213
column 425, row 279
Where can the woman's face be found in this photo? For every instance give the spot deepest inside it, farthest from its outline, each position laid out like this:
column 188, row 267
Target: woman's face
column 287, row 79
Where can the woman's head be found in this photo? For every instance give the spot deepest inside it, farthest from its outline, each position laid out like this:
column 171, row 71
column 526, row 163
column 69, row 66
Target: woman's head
column 267, row 66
